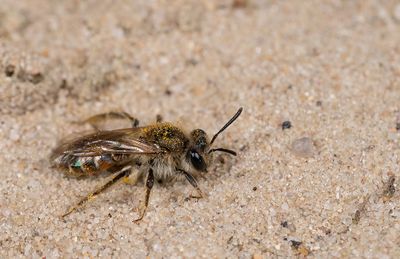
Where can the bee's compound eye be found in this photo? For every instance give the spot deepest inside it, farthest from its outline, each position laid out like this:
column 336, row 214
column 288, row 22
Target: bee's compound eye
column 197, row 161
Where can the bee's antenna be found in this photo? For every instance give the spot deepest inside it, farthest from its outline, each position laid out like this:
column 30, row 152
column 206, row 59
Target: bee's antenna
column 222, row 150
column 227, row 124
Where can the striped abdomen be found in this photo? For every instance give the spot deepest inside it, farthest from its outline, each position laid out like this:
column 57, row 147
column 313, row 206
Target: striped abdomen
column 87, row 166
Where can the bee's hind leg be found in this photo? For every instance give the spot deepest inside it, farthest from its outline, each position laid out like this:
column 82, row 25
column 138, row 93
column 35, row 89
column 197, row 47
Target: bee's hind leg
column 193, row 182
column 149, row 185
column 123, row 173
column 95, row 120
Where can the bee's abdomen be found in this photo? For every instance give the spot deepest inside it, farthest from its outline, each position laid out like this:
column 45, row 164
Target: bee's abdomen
column 85, row 166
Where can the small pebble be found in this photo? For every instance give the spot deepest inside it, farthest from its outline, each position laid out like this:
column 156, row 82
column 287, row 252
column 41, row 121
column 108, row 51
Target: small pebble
column 300, row 248
column 9, row 71
column 14, row 134
column 295, row 244
column 303, row 147
column 286, row 125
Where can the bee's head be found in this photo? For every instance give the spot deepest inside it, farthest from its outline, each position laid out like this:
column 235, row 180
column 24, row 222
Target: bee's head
column 200, row 148
column 196, row 154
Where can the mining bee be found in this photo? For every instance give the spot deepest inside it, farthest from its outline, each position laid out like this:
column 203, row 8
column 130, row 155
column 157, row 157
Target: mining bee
column 159, row 152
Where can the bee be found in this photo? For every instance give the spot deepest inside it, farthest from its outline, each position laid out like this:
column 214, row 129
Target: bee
column 157, row 152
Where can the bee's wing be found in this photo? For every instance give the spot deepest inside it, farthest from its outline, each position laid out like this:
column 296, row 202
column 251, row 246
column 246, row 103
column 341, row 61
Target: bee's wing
column 121, row 141
column 131, row 147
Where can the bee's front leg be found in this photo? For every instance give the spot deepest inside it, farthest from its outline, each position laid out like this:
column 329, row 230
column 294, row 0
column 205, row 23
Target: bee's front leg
column 149, row 186
column 193, row 182
column 96, row 120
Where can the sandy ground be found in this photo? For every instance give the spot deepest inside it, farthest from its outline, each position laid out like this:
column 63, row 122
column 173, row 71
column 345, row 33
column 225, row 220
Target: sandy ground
column 326, row 187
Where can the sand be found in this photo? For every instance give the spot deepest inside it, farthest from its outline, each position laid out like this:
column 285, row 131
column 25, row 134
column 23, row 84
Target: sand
column 326, row 187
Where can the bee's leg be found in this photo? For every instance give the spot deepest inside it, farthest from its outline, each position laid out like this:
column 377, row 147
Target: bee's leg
column 130, row 181
column 96, row 119
column 159, row 118
column 193, row 182
column 124, row 172
column 149, row 186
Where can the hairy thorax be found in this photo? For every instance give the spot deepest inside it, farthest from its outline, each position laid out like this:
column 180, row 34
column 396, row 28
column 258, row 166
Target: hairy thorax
column 167, row 136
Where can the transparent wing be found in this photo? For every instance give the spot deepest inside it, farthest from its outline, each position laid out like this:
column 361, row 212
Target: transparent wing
column 121, row 141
